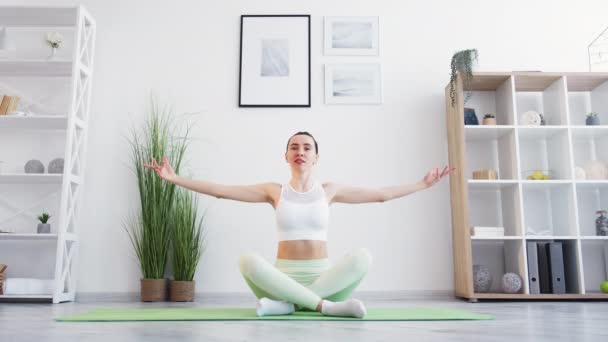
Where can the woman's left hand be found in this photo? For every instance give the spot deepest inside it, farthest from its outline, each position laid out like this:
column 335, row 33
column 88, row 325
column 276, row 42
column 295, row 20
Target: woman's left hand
column 435, row 176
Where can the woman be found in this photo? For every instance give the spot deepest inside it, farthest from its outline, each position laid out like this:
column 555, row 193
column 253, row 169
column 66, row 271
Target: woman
column 302, row 276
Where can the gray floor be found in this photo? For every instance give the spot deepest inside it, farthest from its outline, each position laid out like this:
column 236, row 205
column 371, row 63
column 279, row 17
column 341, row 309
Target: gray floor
column 515, row 321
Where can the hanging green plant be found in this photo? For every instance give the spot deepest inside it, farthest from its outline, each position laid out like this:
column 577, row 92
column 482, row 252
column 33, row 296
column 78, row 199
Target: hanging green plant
column 462, row 63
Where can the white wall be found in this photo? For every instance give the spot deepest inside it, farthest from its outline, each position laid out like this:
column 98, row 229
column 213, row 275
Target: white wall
column 187, row 51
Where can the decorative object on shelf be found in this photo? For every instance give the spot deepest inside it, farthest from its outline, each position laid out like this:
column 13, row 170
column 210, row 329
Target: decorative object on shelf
column 470, row 118
column 601, row 223
column 537, row 175
column 3, row 268
column 8, row 104
column 34, row 166
column 187, row 246
column 598, row 58
column 544, row 231
column 482, row 279
column 579, row 173
column 274, row 68
column 56, row 166
column 353, row 83
column 542, row 119
column 531, row 118
column 462, row 64
column 592, row 119
column 485, row 174
column 55, row 41
column 150, row 228
column 604, row 286
column 595, row 169
column 351, row 36
column 7, row 46
column 511, row 283
column 489, row 119
column 44, row 227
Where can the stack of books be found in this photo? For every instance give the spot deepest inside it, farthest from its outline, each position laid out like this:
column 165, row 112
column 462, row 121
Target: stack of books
column 8, row 104
column 487, row 231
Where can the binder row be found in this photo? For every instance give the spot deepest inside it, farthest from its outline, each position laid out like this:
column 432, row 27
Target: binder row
column 551, row 267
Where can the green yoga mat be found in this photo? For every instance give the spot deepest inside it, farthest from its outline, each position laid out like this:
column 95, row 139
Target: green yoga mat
column 248, row 314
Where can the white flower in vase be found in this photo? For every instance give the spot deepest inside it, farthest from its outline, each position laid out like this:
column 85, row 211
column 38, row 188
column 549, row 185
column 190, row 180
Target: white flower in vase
column 55, row 41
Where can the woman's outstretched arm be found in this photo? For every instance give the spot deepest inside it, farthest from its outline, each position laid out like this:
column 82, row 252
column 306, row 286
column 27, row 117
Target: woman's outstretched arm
column 255, row 193
column 349, row 194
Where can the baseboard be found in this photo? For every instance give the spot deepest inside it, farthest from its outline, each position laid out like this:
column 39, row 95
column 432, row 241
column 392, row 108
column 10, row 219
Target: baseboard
column 243, row 297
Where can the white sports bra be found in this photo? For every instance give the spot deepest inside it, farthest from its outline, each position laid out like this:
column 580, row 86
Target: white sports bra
column 302, row 215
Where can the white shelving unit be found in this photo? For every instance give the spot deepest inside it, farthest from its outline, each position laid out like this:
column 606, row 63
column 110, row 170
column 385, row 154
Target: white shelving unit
column 27, row 254
column 560, row 209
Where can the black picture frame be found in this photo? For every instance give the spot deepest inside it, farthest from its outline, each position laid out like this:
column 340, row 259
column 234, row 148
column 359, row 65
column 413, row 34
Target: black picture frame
column 274, row 61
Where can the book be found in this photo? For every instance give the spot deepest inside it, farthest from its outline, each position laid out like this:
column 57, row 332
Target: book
column 12, row 105
column 4, row 104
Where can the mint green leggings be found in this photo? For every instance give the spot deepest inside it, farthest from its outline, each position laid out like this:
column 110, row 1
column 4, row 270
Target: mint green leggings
column 305, row 282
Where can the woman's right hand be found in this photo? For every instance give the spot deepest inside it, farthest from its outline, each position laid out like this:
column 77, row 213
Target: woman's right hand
column 164, row 170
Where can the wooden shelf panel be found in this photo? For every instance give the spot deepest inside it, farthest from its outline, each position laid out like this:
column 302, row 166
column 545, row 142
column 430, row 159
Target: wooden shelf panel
column 548, row 296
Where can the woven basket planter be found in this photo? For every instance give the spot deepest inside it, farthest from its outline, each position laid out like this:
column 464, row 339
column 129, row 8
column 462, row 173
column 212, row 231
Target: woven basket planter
column 182, row 291
column 154, row 290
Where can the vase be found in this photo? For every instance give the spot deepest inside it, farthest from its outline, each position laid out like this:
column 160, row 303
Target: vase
column 601, row 224
column 181, row 291
column 469, row 117
column 153, row 290
column 592, row 121
column 44, row 228
column 52, row 55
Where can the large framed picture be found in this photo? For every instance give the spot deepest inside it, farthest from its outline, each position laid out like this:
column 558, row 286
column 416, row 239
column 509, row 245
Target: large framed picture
column 275, row 61
column 351, row 36
column 353, row 83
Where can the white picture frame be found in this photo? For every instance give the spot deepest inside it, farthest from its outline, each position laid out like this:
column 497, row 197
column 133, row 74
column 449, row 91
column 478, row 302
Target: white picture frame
column 353, row 83
column 351, row 36
column 274, row 61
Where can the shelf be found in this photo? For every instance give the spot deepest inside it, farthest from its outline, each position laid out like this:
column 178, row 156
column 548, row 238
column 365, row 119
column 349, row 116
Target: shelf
column 495, row 205
column 493, row 95
column 593, row 237
column 497, row 238
column 494, row 184
column 595, row 263
column 540, row 132
column 499, row 257
column 26, row 16
column 547, row 296
column 546, row 149
column 18, row 178
column 46, row 122
column 545, row 94
column 32, row 297
column 550, row 237
column 33, row 237
column 486, row 132
column 593, row 97
column 548, row 208
column 36, row 68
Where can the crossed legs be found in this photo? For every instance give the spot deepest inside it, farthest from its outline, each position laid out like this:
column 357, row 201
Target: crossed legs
column 335, row 284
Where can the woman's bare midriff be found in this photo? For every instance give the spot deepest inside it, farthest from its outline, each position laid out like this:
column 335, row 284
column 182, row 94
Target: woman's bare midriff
column 302, row 249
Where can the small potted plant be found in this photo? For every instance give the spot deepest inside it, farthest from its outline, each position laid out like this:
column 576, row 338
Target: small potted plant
column 592, row 119
column 489, row 119
column 43, row 226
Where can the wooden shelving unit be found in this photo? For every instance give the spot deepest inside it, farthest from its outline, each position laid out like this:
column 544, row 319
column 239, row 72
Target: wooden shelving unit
column 560, row 209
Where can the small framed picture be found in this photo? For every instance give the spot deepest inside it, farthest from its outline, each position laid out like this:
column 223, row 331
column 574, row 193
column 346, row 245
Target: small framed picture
column 351, row 36
column 353, row 83
column 275, row 61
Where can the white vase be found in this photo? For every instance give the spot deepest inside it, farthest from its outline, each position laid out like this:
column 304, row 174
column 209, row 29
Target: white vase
column 6, row 44
column 53, row 54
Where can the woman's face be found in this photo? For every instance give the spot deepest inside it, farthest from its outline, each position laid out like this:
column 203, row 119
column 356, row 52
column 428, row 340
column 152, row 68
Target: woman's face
column 301, row 152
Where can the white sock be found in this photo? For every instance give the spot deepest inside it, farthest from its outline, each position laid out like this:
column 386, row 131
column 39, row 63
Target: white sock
column 349, row 308
column 269, row 307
